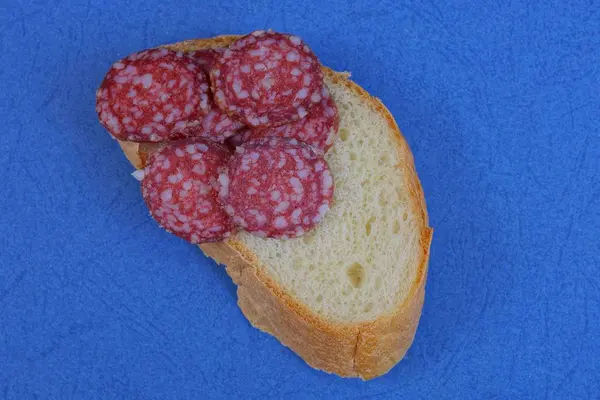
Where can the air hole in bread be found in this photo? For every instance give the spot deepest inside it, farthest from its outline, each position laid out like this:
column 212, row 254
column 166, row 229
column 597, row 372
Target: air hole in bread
column 384, row 159
column 396, row 228
column 297, row 263
column 308, row 238
column 404, row 216
column 401, row 196
column 382, row 200
column 356, row 275
column 344, row 134
column 368, row 307
column 353, row 156
column 368, row 225
column 320, row 277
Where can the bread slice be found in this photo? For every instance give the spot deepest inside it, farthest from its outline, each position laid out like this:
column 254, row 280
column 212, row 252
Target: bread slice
column 348, row 296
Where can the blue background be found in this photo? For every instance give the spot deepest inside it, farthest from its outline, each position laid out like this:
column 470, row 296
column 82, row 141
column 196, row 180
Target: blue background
column 500, row 102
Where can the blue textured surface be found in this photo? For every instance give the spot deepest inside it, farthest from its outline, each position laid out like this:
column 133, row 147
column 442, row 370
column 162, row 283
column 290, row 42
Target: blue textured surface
column 501, row 105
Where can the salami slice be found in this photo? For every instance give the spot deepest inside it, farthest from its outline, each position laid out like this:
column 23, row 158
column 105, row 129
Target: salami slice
column 267, row 79
column 152, row 96
column 276, row 187
column 318, row 129
column 180, row 187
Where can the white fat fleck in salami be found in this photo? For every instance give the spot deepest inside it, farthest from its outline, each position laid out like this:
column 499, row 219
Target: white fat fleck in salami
column 272, row 198
column 180, row 187
column 267, row 79
column 319, row 129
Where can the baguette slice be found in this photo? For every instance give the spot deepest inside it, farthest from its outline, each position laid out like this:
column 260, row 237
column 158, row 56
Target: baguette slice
column 347, row 297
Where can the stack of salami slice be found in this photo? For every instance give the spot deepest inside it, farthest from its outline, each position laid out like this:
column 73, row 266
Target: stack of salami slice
column 246, row 128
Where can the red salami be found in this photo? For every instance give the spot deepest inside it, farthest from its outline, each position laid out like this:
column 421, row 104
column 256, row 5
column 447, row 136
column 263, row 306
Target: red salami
column 152, row 96
column 267, row 79
column 206, row 57
column 276, row 187
column 180, row 186
column 318, row 129
column 216, row 126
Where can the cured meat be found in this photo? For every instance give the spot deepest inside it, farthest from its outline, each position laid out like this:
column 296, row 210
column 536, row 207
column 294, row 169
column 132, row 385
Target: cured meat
column 180, row 187
column 152, row 96
column 216, row 126
column 205, row 57
column 267, row 79
column 276, row 187
column 318, row 129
